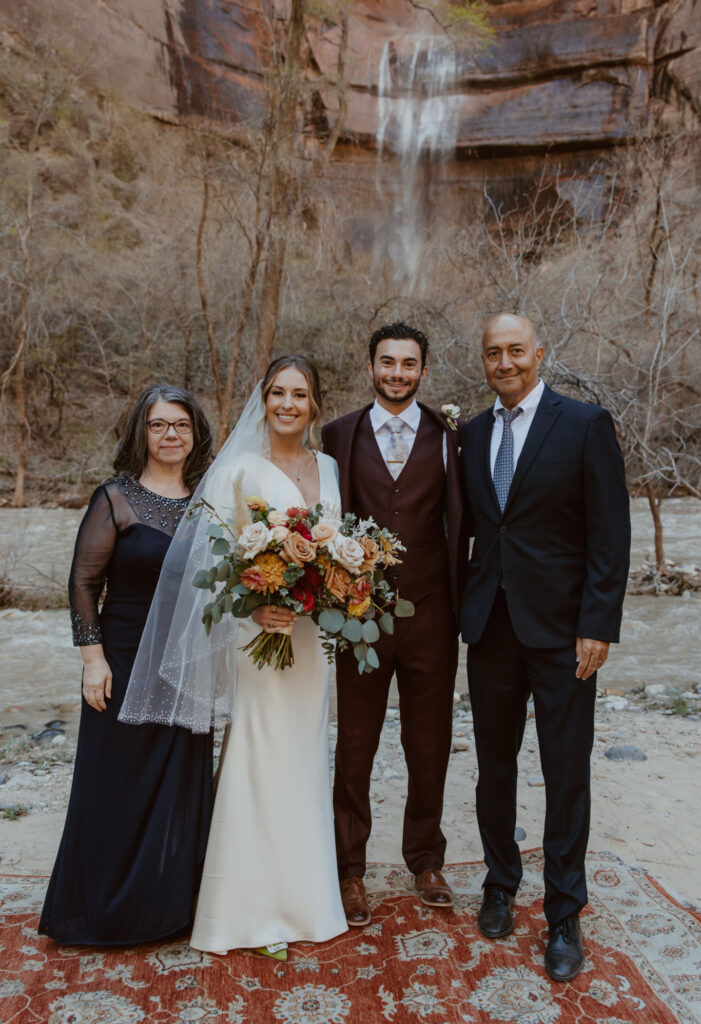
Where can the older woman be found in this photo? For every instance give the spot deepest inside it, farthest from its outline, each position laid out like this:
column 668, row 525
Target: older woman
column 133, row 845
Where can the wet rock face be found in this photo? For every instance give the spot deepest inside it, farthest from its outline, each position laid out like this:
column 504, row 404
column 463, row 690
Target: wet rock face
column 575, row 75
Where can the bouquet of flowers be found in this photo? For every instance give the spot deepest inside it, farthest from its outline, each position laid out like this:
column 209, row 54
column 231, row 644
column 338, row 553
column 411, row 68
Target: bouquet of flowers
column 312, row 563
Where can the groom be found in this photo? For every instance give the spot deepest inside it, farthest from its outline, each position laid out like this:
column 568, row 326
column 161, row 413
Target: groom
column 398, row 462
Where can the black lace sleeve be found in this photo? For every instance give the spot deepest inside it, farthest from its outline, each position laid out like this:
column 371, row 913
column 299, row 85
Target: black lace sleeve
column 93, row 550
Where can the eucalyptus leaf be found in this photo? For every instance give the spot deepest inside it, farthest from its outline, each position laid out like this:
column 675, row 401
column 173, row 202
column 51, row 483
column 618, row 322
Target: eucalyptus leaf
column 212, row 574
column 352, row 631
column 223, row 570
column 220, row 546
column 360, row 650
column 214, row 530
column 331, row 620
column 252, row 601
column 216, row 613
column 371, row 658
column 201, row 579
column 228, row 603
column 370, row 631
column 403, row 609
column 241, row 589
column 387, row 623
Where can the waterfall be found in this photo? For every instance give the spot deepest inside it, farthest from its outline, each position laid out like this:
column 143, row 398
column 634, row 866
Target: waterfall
column 418, row 110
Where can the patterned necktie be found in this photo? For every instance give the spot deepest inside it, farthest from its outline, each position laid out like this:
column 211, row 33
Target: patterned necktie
column 397, row 450
column 504, row 464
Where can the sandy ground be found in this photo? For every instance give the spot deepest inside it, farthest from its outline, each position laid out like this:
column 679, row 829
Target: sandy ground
column 645, row 811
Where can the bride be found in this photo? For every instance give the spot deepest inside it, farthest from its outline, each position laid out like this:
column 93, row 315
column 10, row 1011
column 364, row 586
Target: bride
column 270, row 874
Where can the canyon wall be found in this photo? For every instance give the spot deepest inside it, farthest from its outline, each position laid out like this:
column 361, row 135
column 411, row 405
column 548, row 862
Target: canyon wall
column 563, row 79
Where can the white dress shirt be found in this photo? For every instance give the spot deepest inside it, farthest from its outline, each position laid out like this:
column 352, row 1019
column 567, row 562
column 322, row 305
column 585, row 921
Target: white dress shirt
column 411, row 416
column 519, row 426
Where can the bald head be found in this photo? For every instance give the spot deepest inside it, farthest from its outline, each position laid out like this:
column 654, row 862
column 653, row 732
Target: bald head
column 511, row 357
column 513, row 324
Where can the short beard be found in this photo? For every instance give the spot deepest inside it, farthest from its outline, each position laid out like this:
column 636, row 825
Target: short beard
column 391, row 398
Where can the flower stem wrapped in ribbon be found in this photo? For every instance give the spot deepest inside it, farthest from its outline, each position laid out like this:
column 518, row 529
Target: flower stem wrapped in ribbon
column 311, row 562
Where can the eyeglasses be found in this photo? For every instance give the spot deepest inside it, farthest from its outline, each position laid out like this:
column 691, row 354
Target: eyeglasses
column 161, row 426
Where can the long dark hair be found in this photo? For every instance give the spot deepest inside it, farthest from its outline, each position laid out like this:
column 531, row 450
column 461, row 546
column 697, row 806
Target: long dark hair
column 132, row 449
column 309, row 371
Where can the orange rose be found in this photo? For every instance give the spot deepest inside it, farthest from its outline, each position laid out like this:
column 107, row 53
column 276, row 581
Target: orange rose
column 297, row 548
column 337, row 582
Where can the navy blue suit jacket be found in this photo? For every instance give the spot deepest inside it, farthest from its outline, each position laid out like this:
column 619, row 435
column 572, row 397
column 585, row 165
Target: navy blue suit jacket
column 562, row 543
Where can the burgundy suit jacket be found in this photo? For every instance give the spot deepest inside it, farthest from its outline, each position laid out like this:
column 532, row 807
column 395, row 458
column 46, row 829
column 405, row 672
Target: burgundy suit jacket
column 338, row 438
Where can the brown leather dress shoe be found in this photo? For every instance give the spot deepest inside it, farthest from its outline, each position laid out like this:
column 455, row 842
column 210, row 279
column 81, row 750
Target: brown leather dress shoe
column 433, row 889
column 355, row 902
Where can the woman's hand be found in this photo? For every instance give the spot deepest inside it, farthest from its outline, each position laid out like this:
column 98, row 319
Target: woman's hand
column 271, row 617
column 97, row 677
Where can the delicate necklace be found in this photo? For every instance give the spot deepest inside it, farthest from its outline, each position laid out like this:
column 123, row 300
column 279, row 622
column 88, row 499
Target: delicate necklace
column 296, row 474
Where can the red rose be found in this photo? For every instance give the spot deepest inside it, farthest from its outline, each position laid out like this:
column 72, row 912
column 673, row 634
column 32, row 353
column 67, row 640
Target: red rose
column 313, row 578
column 301, row 528
column 304, row 595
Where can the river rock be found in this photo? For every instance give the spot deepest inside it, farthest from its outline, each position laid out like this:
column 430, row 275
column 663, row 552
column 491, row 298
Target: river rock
column 519, row 834
column 460, row 744
column 655, row 690
column 624, row 752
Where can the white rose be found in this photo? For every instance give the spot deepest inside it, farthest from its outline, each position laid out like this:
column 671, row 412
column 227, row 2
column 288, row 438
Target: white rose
column 279, row 533
column 254, row 538
column 277, row 518
column 347, row 552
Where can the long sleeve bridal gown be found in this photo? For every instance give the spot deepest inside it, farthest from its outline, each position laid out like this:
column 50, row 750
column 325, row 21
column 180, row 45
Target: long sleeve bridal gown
column 270, row 870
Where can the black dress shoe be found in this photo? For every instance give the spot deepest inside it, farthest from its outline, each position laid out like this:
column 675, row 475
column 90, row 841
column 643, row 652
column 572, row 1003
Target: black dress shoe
column 564, row 957
column 496, row 918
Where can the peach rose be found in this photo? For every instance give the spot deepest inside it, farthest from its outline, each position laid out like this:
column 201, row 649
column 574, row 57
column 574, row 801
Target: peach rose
column 371, row 550
column 347, row 551
column 297, row 548
column 323, row 532
column 277, row 518
column 280, row 534
column 337, row 582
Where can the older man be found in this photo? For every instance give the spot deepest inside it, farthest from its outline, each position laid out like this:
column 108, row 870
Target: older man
column 550, row 517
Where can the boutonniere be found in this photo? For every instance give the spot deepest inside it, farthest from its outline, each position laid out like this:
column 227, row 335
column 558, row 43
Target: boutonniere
column 451, row 413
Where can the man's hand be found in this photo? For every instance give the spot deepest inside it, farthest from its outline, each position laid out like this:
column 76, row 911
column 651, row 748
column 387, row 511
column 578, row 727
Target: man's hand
column 591, row 655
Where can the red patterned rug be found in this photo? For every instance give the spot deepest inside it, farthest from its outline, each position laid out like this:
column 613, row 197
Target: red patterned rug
column 412, row 965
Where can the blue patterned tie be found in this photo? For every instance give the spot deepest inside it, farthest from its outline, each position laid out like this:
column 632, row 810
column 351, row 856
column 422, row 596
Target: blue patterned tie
column 504, row 464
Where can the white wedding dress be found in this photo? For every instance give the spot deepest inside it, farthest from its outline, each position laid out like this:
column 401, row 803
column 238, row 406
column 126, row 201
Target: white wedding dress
column 270, row 872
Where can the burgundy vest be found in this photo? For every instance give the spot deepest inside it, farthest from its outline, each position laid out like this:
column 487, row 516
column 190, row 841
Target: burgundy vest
column 411, row 506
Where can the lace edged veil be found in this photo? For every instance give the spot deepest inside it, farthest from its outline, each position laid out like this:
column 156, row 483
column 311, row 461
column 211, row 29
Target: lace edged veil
column 180, row 675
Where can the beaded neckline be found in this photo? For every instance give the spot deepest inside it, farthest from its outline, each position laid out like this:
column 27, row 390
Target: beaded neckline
column 167, row 512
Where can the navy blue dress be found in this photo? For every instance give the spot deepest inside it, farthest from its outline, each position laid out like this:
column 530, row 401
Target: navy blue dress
column 134, row 841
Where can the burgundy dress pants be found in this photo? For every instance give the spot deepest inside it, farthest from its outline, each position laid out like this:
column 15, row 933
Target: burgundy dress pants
column 423, row 651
